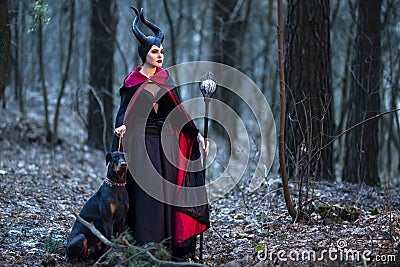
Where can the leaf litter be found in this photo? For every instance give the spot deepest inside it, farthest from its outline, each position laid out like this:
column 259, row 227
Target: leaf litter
column 41, row 187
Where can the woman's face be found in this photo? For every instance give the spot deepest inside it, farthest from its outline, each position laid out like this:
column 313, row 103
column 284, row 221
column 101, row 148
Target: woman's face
column 155, row 57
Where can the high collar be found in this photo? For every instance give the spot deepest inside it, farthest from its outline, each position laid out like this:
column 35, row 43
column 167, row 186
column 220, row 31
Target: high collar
column 136, row 77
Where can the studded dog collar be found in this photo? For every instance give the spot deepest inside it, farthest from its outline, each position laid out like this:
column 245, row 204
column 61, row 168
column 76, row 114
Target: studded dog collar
column 112, row 183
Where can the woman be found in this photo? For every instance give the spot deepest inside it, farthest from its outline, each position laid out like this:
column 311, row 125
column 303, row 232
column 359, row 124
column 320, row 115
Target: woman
column 161, row 142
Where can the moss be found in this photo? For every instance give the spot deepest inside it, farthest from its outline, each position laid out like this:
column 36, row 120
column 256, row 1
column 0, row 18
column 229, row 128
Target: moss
column 337, row 214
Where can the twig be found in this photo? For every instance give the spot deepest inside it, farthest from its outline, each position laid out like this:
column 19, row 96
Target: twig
column 349, row 129
column 226, row 240
column 133, row 256
column 150, row 256
column 101, row 258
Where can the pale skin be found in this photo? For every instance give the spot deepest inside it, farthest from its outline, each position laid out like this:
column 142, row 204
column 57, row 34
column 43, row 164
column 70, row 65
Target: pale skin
column 154, row 59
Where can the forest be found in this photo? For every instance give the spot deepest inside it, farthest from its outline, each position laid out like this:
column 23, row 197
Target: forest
column 304, row 162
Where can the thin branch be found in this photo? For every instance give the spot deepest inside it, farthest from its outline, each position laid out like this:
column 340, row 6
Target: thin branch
column 97, row 233
column 102, row 257
column 351, row 128
column 103, row 115
column 282, row 161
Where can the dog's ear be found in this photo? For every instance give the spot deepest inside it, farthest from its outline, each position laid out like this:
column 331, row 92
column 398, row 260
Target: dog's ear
column 108, row 158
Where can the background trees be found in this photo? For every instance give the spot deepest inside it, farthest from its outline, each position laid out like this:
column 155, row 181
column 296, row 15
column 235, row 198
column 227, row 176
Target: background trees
column 364, row 97
column 229, row 29
column 100, row 115
column 5, row 44
column 327, row 92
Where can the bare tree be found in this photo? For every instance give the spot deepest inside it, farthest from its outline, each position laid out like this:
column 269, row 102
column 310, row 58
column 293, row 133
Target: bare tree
column 18, row 27
column 5, row 42
column 171, row 32
column 309, row 91
column 362, row 147
column 38, row 21
column 229, row 27
column 66, row 71
column 282, row 159
column 342, row 31
column 309, row 117
column 103, row 25
column 390, row 90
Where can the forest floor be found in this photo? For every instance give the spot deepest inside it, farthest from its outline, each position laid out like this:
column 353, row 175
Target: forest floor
column 41, row 188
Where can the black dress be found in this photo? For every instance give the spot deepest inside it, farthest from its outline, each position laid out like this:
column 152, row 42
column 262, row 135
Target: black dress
column 151, row 216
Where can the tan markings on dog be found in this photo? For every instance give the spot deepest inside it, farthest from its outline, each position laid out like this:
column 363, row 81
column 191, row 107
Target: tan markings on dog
column 113, row 208
column 85, row 245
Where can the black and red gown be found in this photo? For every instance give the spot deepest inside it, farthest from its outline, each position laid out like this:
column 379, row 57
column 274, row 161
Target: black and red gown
column 160, row 165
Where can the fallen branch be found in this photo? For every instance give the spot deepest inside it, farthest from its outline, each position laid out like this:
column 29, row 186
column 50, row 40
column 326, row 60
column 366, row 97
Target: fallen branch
column 101, row 258
column 97, row 233
column 150, row 256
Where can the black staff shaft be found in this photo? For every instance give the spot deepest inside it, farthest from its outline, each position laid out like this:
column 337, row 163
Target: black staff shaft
column 207, row 102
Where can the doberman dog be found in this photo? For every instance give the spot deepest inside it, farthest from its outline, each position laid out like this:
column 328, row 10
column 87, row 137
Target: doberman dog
column 107, row 210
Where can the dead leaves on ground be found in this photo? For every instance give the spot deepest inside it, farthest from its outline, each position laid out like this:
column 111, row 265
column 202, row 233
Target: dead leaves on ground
column 40, row 189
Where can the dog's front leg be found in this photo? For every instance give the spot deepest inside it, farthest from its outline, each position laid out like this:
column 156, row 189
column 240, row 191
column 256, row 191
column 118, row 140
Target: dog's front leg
column 108, row 229
column 107, row 216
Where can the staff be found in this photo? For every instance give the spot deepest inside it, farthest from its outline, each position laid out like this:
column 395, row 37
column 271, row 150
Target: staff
column 208, row 85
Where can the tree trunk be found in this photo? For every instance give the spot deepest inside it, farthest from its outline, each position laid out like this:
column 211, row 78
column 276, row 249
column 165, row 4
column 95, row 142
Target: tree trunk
column 228, row 39
column 65, row 73
column 5, row 43
column 309, row 93
column 282, row 159
column 17, row 50
column 100, row 115
column 42, row 76
column 171, row 32
column 362, row 147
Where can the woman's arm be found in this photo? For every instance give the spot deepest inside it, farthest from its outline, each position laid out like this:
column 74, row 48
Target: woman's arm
column 119, row 127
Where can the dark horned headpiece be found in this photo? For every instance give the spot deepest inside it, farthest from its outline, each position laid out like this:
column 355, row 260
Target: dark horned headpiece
column 146, row 42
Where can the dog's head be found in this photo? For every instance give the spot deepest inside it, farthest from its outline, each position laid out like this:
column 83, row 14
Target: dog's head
column 117, row 166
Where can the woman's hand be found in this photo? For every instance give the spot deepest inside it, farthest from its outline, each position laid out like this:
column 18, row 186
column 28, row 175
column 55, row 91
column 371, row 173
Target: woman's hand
column 120, row 130
column 204, row 144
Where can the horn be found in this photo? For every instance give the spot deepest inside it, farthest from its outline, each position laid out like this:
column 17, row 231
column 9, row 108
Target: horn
column 138, row 34
column 157, row 31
